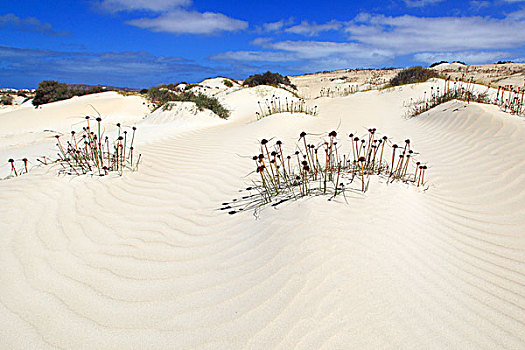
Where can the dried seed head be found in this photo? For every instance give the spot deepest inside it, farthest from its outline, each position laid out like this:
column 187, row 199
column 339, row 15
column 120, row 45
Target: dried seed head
column 288, row 157
column 385, row 138
column 72, row 133
column 407, row 141
column 24, row 160
column 254, row 157
column 261, row 156
column 296, row 152
column 332, row 134
column 273, row 153
column 306, row 168
column 120, row 138
column 87, row 117
column 11, row 160
column 278, row 143
column 302, row 134
column 99, row 119
column 356, row 138
column 351, row 135
column 304, row 162
column 298, row 177
column 362, row 159
column 118, row 125
column 424, row 167
column 134, row 128
column 395, row 146
column 264, row 141
column 410, row 152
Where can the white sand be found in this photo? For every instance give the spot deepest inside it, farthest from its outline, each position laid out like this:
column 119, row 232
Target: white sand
column 146, row 261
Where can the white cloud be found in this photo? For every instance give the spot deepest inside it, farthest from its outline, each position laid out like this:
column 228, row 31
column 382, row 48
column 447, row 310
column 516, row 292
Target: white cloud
column 134, row 5
column 29, row 24
column 420, row 3
column 174, row 16
column 312, row 29
column 190, row 22
column 468, row 57
column 310, row 55
column 410, row 34
column 255, row 56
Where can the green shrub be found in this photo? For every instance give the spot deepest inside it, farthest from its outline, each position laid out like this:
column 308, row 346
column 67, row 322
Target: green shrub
column 160, row 96
column 51, row 91
column 143, row 91
column 6, row 100
column 227, row 83
column 268, row 78
column 412, row 75
column 211, row 103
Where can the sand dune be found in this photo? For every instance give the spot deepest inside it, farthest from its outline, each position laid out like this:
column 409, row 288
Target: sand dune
column 147, row 260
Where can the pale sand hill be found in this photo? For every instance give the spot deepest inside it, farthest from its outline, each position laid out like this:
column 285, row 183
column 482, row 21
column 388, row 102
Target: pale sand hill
column 146, row 261
column 310, row 85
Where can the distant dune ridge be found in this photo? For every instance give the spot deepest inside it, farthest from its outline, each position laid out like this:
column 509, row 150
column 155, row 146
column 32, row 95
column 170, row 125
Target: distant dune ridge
column 147, row 260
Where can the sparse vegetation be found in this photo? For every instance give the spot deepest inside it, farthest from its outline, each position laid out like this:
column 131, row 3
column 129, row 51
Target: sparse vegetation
column 508, row 99
column 160, row 96
column 227, row 83
column 268, row 78
column 89, row 152
column 326, row 168
column 412, row 75
column 277, row 105
column 6, row 100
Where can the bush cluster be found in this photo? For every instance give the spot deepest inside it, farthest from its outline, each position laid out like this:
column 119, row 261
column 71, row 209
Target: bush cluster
column 437, row 63
column 268, row 78
column 6, row 100
column 412, row 75
column 160, row 96
column 51, row 91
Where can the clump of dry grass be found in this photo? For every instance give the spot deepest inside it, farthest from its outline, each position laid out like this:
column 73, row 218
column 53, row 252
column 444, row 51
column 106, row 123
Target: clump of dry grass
column 89, row 152
column 509, row 99
column 276, row 105
column 326, row 167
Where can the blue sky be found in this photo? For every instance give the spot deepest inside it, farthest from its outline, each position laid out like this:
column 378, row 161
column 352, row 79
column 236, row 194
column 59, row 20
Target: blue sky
column 142, row 43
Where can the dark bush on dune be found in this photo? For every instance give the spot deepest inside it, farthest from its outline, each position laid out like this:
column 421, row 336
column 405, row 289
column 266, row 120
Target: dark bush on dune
column 437, row 63
column 412, row 75
column 268, row 78
column 6, row 100
column 51, row 91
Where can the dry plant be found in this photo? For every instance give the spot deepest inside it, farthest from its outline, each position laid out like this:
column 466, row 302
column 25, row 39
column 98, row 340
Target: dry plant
column 507, row 98
column 325, row 168
column 91, row 152
column 276, row 105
